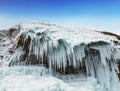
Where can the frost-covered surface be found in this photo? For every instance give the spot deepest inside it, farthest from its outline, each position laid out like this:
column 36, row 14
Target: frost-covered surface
column 39, row 79
column 73, row 36
column 6, row 42
column 84, row 51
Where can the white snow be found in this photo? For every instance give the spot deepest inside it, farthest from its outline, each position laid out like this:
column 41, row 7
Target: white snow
column 28, row 79
column 61, row 47
column 73, row 36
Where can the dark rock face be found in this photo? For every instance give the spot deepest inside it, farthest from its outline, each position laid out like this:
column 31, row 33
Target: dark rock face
column 111, row 34
column 119, row 69
column 10, row 33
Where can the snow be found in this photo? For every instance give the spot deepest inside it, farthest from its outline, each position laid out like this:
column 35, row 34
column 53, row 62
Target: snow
column 117, row 54
column 74, row 36
column 60, row 47
column 20, row 79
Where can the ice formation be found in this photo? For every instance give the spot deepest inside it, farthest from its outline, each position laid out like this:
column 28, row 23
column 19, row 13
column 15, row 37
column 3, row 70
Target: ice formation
column 33, row 78
column 83, row 51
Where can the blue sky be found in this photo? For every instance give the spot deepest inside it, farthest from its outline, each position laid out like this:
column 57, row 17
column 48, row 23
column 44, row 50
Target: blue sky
column 93, row 14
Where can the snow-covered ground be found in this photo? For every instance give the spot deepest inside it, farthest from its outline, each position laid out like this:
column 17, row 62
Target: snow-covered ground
column 73, row 36
column 38, row 79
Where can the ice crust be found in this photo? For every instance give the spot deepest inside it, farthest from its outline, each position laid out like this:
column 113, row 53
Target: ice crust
column 62, row 47
column 35, row 78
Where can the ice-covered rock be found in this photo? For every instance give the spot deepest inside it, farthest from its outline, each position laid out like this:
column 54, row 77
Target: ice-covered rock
column 68, row 51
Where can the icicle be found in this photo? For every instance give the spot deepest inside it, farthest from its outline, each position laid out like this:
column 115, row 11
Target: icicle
column 104, row 67
column 79, row 53
column 106, row 52
column 58, row 55
column 117, row 54
column 17, row 56
column 99, row 59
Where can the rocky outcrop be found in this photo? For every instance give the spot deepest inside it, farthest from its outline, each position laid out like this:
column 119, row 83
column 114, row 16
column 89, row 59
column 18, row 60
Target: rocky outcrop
column 64, row 50
column 6, row 43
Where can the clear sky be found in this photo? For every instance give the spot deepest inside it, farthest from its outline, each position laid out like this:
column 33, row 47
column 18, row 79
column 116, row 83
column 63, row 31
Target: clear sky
column 93, row 14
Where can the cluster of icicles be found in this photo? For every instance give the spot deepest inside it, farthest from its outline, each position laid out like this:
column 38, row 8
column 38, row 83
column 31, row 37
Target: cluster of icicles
column 96, row 58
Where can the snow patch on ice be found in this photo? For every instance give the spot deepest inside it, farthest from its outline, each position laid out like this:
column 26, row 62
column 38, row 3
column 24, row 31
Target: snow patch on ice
column 17, row 80
column 73, row 36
